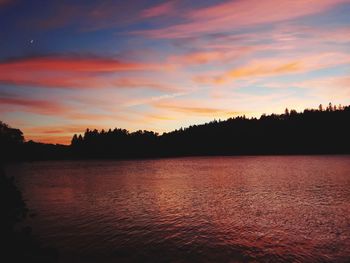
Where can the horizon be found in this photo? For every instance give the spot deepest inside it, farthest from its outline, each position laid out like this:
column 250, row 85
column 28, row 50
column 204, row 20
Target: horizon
column 321, row 108
column 324, row 107
column 162, row 65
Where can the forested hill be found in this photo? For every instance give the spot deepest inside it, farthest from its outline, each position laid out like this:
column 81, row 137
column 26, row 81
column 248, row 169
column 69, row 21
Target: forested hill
column 309, row 132
column 321, row 131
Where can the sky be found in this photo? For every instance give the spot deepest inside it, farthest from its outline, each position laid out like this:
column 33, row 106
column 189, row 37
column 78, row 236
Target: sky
column 160, row 65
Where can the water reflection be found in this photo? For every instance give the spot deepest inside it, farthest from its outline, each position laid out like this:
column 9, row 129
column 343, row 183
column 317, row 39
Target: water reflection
column 193, row 209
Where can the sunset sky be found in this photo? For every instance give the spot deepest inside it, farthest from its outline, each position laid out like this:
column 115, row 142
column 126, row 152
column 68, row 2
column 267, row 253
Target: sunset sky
column 161, row 65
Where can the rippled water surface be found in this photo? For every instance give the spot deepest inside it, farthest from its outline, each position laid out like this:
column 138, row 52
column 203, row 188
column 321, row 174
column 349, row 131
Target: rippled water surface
column 215, row 209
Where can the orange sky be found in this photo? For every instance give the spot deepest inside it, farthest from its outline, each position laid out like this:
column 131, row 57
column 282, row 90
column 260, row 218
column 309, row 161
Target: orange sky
column 162, row 65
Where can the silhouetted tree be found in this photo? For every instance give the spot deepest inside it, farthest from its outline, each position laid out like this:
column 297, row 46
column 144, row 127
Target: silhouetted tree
column 10, row 136
column 310, row 131
column 330, row 108
column 11, row 141
column 271, row 134
column 286, row 112
column 293, row 112
column 74, row 140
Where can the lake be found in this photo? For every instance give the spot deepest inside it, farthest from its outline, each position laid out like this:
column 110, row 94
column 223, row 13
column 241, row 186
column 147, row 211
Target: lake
column 204, row 209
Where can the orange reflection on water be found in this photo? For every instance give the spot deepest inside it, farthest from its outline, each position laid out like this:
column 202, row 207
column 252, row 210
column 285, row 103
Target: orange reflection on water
column 193, row 209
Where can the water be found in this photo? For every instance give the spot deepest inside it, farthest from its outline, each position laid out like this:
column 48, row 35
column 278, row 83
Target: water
column 215, row 209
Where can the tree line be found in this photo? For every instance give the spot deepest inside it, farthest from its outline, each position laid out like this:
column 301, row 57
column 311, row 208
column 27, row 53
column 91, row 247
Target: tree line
column 309, row 132
column 314, row 131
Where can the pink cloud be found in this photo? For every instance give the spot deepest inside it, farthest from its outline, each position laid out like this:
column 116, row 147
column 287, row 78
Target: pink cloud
column 159, row 10
column 232, row 15
column 275, row 66
column 65, row 72
column 32, row 105
column 69, row 64
column 334, row 89
column 199, row 110
column 211, row 56
column 51, row 108
column 138, row 82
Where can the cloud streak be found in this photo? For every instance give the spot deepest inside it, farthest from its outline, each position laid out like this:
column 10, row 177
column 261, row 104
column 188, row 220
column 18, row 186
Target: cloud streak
column 70, row 64
column 231, row 15
column 159, row 10
column 48, row 134
column 161, row 65
column 70, row 72
column 31, row 105
column 275, row 67
column 200, row 110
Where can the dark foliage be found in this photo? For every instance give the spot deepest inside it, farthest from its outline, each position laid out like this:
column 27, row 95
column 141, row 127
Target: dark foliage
column 17, row 242
column 13, row 208
column 10, row 136
column 309, row 132
column 13, row 147
column 11, row 140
